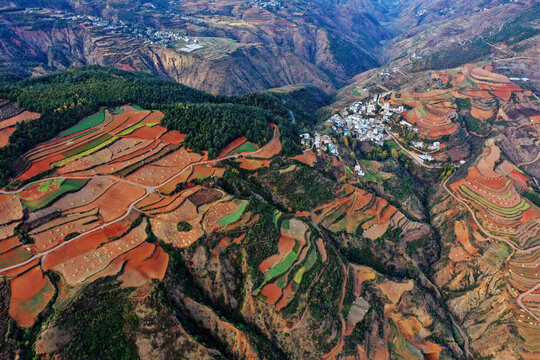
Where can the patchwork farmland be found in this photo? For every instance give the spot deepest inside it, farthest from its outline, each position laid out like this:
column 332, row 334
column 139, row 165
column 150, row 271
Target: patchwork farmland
column 493, row 192
column 101, row 185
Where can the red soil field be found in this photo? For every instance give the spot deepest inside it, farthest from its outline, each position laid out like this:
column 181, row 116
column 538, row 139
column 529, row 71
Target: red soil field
column 15, row 255
column 272, row 292
column 321, row 248
column 8, row 244
column 149, row 133
column 463, row 237
column 32, row 192
column 479, row 93
column 180, row 179
column 253, row 164
column 5, row 134
column 39, row 167
column 143, row 263
column 272, row 148
column 285, row 246
column 163, row 169
column 288, row 294
column 233, row 145
column 481, row 114
column 173, row 137
column 12, row 121
column 77, row 269
column 114, row 202
column 30, row 293
column 10, row 208
column 73, row 249
column 222, row 245
column 201, row 171
column 7, row 230
column 21, row 269
column 217, row 212
column 28, row 284
column 308, row 157
column 124, row 120
column 246, row 220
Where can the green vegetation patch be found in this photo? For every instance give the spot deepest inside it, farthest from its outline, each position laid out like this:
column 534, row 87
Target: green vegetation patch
column 232, row 218
column 422, row 111
column 299, row 274
column 66, row 186
column 87, row 149
column 87, row 146
column 184, row 226
column 16, row 256
column 86, row 123
column 522, row 206
column 275, row 217
column 281, row 267
column 245, row 147
column 100, row 323
column 138, row 108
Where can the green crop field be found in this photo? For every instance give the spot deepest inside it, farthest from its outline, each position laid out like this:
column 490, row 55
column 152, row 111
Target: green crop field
column 137, row 107
column 86, row 123
column 16, row 255
column 422, row 111
column 281, row 267
column 87, row 150
column 522, row 206
column 65, row 187
column 275, row 217
column 245, row 147
column 132, row 128
column 229, row 219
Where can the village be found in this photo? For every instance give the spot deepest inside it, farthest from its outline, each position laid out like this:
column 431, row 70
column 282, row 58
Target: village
column 366, row 121
column 116, row 27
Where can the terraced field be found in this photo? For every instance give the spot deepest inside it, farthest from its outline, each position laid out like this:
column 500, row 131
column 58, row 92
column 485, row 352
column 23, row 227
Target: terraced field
column 493, row 194
column 284, row 272
column 500, row 207
column 475, row 91
column 105, row 182
column 357, row 211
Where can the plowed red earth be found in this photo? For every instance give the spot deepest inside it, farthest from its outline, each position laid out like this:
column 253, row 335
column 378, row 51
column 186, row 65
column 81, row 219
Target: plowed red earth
column 285, row 246
column 30, row 293
column 12, row 121
column 272, row 148
column 272, row 293
column 233, row 145
column 5, row 134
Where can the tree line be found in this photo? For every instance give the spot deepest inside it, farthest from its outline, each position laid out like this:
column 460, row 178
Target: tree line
column 211, row 121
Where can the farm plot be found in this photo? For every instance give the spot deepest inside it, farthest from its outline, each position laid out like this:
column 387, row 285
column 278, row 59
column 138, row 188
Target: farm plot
column 291, row 247
column 30, row 294
column 86, row 123
column 499, row 204
column 9, row 124
column 42, row 193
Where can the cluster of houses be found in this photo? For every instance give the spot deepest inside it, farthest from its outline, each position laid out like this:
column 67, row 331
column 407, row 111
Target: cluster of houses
column 319, row 142
column 115, row 26
column 423, row 146
column 267, row 4
column 366, row 121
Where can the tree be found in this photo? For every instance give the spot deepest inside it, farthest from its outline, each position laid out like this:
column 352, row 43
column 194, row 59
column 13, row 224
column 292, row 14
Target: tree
column 352, row 155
